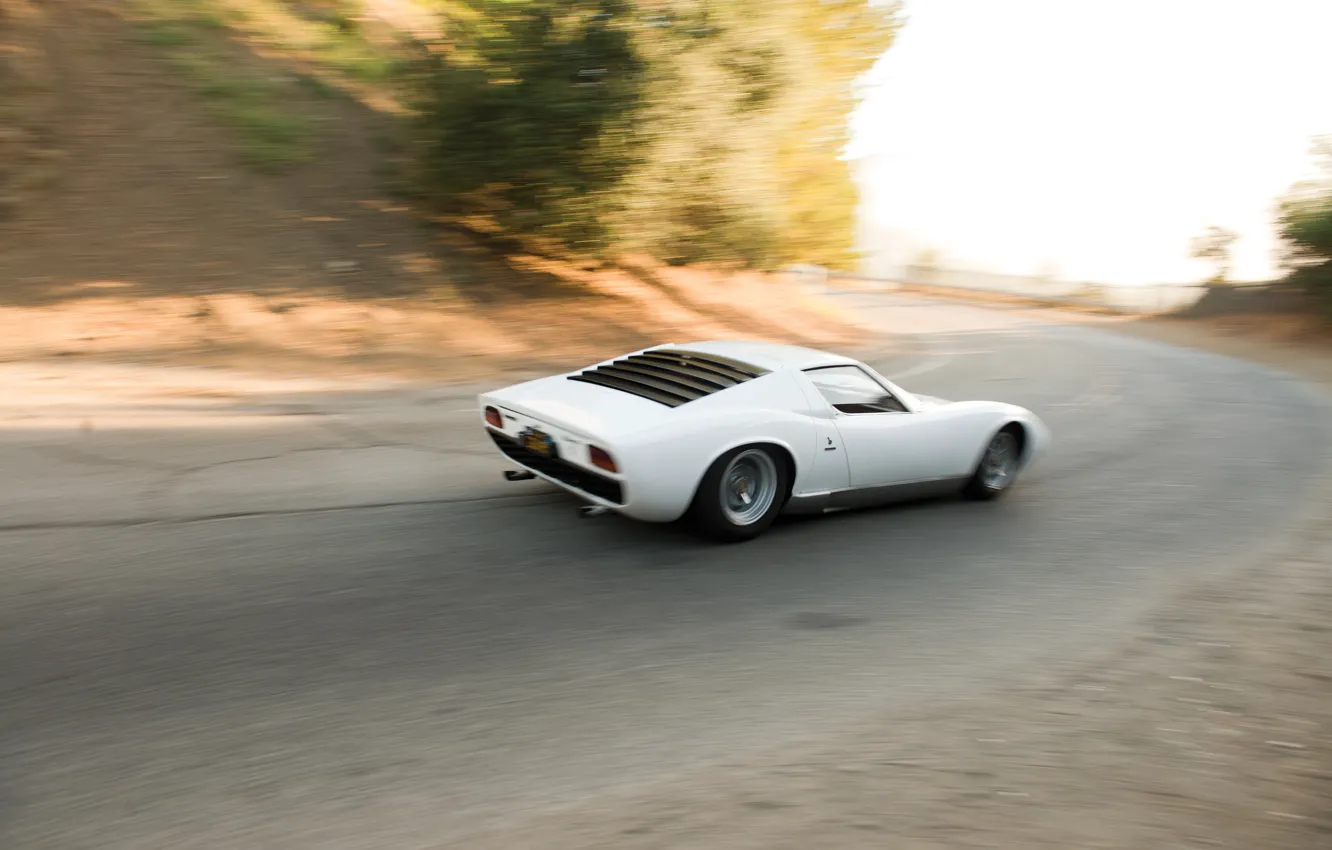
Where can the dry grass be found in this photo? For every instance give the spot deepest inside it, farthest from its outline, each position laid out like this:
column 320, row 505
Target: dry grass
column 29, row 158
column 330, row 46
column 1283, row 328
column 433, row 335
column 999, row 298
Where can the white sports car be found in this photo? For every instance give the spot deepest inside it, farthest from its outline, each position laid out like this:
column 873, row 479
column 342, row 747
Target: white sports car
column 730, row 434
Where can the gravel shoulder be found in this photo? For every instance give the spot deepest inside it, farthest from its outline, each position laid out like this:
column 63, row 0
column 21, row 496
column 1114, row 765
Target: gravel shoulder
column 1208, row 726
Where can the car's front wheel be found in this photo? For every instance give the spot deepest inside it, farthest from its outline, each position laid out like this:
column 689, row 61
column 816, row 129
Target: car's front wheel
column 740, row 494
column 998, row 467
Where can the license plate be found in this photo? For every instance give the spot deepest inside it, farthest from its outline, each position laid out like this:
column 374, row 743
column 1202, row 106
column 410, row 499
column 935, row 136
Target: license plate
column 538, row 442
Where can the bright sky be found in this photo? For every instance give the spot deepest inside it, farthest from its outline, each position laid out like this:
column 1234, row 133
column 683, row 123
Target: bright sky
column 1098, row 137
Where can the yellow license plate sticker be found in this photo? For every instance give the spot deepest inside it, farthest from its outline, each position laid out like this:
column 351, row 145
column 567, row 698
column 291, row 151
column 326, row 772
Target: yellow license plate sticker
column 537, row 442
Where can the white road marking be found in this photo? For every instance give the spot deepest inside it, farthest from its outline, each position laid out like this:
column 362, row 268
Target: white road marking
column 929, row 365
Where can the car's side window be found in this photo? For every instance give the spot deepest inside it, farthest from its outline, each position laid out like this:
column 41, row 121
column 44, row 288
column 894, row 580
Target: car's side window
column 850, row 390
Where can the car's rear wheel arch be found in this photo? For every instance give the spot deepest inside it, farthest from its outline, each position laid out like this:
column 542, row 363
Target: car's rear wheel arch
column 783, row 456
column 780, row 452
column 705, row 511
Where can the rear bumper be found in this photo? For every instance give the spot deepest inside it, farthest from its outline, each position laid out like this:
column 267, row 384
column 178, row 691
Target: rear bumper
column 582, row 482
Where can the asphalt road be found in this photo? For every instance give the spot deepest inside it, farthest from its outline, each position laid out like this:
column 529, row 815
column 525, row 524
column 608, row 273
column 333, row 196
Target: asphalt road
column 393, row 677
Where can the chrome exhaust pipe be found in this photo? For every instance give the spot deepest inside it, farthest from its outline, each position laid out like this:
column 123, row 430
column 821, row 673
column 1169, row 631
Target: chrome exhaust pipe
column 589, row 511
column 518, row 475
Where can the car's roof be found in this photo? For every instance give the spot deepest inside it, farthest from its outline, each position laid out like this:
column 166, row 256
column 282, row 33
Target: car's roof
column 768, row 355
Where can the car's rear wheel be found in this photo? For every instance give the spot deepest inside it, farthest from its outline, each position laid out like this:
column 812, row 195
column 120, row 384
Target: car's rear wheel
column 998, row 467
column 740, row 494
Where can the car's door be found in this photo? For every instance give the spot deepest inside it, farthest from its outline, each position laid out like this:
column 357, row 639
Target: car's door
column 885, row 443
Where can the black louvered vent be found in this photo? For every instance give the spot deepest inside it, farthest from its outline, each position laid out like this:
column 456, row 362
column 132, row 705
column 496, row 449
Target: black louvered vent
column 670, row 376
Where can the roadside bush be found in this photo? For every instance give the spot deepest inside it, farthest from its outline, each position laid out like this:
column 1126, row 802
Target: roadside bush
column 691, row 132
column 527, row 118
column 1305, row 222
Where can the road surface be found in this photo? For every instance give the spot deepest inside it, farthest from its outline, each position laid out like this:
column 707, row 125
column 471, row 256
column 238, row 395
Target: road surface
column 307, row 673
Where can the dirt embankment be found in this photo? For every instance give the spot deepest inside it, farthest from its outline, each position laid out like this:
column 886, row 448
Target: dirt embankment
column 172, row 193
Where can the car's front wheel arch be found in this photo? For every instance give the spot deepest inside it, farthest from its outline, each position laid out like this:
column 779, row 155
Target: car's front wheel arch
column 1023, row 435
column 977, row 486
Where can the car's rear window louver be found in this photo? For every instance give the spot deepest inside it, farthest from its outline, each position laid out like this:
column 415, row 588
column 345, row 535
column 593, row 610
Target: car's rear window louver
column 670, row 376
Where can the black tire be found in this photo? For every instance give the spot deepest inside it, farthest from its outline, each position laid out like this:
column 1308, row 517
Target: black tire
column 984, row 484
column 716, row 517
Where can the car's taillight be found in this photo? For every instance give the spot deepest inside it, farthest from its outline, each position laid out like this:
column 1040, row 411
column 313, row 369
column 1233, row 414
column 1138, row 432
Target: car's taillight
column 493, row 418
column 602, row 459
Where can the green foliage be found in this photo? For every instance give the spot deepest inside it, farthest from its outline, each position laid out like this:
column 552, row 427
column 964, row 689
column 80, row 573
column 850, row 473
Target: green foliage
column 693, row 131
column 1305, row 223
column 165, row 34
column 268, row 133
column 528, row 118
column 839, row 41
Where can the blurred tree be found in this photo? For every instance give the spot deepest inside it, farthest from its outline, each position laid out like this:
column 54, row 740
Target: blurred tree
column 526, row 117
column 1305, row 223
column 687, row 129
column 1214, row 247
column 833, row 43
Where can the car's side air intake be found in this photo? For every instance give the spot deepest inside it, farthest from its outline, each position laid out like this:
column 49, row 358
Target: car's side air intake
column 670, row 376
